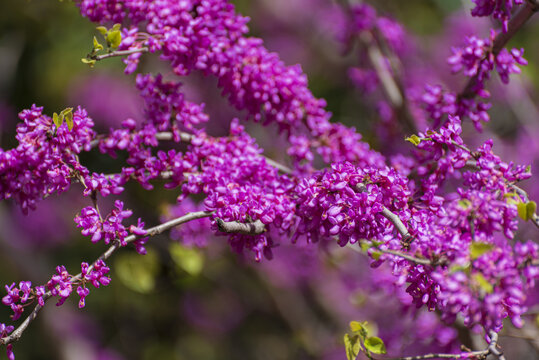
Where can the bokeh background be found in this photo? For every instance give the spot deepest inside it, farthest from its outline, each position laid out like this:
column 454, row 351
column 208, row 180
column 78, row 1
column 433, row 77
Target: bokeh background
column 185, row 302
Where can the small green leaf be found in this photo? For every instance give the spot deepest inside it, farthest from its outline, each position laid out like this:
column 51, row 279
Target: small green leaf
column 414, row 139
column 103, row 30
column 456, row 268
column 355, row 326
column 465, row 204
column 56, row 120
column 531, row 207
column 68, row 115
column 352, row 346
column 114, row 38
column 138, row 272
column 478, row 248
column 528, row 168
column 190, row 260
column 361, row 328
column 512, row 201
column 116, row 27
column 88, row 61
column 97, row 45
column 527, row 210
column 375, row 345
column 522, row 211
column 376, row 255
column 483, row 283
column 365, row 246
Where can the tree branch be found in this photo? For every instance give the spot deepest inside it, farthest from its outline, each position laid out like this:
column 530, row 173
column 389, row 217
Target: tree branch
column 119, row 53
column 407, row 257
column 392, row 217
column 521, row 17
column 492, row 349
column 17, row 333
column 254, row 228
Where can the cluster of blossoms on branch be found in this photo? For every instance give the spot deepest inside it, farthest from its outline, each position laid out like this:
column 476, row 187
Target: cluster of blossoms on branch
column 442, row 218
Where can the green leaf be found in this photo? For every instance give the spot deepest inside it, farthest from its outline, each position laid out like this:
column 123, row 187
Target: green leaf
column 97, row 45
column 465, row 203
column 116, row 27
column 190, row 260
column 88, row 61
column 361, row 328
column 478, row 248
column 522, row 211
column 375, row 345
column 365, row 246
column 376, row 255
column 103, row 30
column 483, row 283
column 56, row 120
column 531, row 207
column 355, row 326
column 68, row 115
column 352, row 346
column 414, row 139
column 114, row 38
column 527, row 210
column 456, row 268
column 138, row 272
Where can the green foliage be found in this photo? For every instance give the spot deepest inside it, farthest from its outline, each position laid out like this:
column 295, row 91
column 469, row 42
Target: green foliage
column 137, row 272
column 361, row 341
column 479, row 248
column 65, row 115
column 352, row 346
column 465, row 204
column 375, row 345
column 483, row 283
column 527, row 210
column 97, row 45
column 113, row 39
column 103, row 30
column 414, row 139
column 187, row 259
column 90, row 62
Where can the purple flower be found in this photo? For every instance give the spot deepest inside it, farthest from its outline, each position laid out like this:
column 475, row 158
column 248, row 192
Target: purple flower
column 60, row 285
column 82, row 292
column 109, row 229
column 499, row 9
column 40, row 164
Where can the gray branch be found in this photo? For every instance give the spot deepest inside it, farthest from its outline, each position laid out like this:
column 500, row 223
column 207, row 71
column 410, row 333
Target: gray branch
column 231, row 227
column 492, row 349
column 392, row 217
column 119, row 53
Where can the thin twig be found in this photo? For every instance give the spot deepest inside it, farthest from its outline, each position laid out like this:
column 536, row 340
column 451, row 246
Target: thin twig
column 407, row 257
column 492, row 349
column 391, row 83
column 119, row 53
column 521, row 17
column 397, row 222
column 392, row 217
column 395, row 253
column 17, row 333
